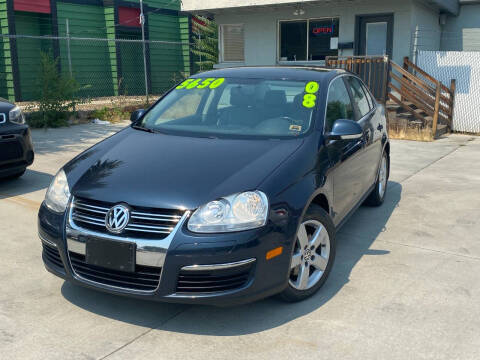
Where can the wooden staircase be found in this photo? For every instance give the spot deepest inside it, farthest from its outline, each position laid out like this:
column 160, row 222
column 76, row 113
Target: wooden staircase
column 418, row 106
column 403, row 124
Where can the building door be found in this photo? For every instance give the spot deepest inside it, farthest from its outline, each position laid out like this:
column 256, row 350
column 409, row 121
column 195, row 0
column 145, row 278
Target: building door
column 375, row 35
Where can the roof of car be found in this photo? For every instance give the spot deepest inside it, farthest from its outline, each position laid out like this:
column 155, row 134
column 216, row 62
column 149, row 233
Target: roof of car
column 274, row 72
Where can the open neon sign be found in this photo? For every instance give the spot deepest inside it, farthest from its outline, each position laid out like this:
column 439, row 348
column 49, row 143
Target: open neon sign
column 323, row 30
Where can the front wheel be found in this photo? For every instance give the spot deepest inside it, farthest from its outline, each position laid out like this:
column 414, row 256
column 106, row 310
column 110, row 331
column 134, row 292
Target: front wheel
column 312, row 256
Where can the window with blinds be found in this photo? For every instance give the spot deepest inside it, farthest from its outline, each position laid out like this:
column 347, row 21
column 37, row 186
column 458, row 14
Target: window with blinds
column 233, row 42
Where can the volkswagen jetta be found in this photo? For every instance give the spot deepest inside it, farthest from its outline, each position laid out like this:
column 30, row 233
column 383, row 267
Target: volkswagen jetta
column 229, row 189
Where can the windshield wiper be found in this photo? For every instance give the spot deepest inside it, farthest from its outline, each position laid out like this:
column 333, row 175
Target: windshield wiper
column 138, row 127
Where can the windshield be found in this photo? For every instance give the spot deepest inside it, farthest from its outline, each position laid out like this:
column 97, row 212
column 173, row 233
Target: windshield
column 235, row 107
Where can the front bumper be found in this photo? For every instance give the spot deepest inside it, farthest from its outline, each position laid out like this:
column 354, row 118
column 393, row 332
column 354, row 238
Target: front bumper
column 214, row 269
column 16, row 149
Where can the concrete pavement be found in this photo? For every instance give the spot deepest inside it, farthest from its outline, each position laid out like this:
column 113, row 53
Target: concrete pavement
column 405, row 284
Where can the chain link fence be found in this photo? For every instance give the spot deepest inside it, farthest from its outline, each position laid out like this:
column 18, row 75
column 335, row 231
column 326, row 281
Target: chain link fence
column 464, row 67
column 102, row 67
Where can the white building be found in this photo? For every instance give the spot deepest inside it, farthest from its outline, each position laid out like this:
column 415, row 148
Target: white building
column 268, row 32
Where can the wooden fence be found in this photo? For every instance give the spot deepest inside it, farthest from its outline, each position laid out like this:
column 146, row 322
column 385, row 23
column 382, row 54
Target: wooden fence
column 372, row 69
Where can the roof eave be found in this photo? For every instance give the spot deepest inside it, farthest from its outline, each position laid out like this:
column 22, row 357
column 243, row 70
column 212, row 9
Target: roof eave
column 447, row 6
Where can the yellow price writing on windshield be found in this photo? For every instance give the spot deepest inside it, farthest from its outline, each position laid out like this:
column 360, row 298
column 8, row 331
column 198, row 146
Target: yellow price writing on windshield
column 211, row 83
column 311, row 87
column 310, row 99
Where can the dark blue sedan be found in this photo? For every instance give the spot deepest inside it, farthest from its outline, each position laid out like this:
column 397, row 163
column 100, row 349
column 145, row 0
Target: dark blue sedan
column 229, row 189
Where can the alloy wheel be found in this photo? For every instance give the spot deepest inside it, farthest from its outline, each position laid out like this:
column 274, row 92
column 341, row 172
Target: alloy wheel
column 310, row 255
column 382, row 177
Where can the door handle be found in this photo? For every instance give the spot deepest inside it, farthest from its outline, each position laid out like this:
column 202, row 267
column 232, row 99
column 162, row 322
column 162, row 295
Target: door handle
column 380, row 127
column 366, row 136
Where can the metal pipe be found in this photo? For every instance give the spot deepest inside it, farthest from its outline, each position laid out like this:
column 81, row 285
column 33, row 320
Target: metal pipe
column 142, row 22
column 67, row 27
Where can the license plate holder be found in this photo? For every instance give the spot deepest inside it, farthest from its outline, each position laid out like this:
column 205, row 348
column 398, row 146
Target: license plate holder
column 113, row 255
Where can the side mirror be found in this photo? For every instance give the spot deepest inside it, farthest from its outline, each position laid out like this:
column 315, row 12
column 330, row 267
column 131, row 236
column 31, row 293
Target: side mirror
column 345, row 130
column 137, row 114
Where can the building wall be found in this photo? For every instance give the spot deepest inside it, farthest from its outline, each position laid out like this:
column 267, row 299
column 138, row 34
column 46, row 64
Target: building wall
column 261, row 25
column 28, row 50
column 6, row 71
column 91, row 63
column 462, row 33
column 167, row 61
column 195, row 5
column 162, row 4
column 426, row 30
column 95, row 65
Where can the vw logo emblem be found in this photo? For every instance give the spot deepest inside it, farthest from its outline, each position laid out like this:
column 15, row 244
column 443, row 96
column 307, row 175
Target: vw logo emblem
column 117, row 218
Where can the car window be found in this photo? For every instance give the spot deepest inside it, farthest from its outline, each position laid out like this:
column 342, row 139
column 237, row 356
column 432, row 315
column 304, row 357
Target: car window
column 339, row 105
column 242, row 107
column 369, row 98
column 359, row 97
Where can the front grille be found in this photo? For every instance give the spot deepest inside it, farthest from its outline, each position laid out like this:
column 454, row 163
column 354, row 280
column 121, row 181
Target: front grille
column 10, row 150
column 144, row 278
column 52, row 256
column 144, row 222
column 211, row 281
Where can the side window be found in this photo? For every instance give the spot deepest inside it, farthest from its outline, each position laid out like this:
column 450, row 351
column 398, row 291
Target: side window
column 359, row 97
column 339, row 105
column 370, row 98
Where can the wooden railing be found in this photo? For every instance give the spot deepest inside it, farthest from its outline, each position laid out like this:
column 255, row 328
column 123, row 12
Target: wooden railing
column 372, row 69
column 418, row 92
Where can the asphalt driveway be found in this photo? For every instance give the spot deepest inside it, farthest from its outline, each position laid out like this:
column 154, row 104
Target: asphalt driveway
column 405, row 285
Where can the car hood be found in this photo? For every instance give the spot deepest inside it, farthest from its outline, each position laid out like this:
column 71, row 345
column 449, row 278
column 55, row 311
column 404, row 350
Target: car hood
column 166, row 171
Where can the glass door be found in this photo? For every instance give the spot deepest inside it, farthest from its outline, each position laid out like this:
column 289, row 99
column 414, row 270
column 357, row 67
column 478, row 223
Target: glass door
column 375, row 35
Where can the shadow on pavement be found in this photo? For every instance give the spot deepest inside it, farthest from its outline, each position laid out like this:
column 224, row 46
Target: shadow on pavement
column 30, row 182
column 72, row 138
column 353, row 242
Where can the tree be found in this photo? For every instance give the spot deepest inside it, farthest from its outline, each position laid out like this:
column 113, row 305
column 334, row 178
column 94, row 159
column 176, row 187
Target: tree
column 205, row 42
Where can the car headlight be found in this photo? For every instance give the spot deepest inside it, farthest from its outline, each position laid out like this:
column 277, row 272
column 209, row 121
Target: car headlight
column 16, row 116
column 58, row 193
column 243, row 211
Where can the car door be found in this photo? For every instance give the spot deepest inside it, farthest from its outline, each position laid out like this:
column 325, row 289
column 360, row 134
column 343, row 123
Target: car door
column 377, row 120
column 343, row 154
column 369, row 156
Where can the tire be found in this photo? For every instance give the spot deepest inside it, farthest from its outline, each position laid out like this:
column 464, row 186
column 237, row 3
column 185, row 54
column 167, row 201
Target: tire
column 16, row 175
column 377, row 196
column 318, row 261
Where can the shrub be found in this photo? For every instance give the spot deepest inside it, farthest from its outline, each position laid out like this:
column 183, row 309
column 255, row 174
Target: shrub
column 57, row 94
column 205, row 43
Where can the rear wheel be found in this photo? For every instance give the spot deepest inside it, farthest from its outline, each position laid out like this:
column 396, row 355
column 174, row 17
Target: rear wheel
column 312, row 256
column 377, row 196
